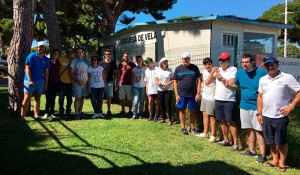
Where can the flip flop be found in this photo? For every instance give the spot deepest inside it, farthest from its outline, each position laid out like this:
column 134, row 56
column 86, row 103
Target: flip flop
column 281, row 169
column 269, row 164
column 162, row 121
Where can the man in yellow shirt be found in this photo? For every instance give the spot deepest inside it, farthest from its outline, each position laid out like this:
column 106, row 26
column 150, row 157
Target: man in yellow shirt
column 65, row 88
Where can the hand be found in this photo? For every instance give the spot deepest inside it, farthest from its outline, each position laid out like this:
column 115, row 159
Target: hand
column 285, row 111
column 260, row 120
column 198, row 97
column 166, row 85
column 116, row 88
column 31, row 83
column 225, row 82
column 90, row 91
column 215, row 69
column 81, row 83
column 178, row 99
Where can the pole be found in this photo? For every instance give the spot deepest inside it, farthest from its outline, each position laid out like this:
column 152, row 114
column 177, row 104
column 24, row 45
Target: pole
column 285, row 30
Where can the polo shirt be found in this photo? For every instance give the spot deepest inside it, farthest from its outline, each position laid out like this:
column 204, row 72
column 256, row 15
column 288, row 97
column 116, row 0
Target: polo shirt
column 37, row 66
column 248, row 81
column 64, row 62
column 223, row 93
column 276, row 94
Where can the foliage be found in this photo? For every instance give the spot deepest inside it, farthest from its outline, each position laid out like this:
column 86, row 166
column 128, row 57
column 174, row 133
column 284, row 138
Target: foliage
column 292, row 51
column 276, row 14
column 185, row 17
column 6, row 23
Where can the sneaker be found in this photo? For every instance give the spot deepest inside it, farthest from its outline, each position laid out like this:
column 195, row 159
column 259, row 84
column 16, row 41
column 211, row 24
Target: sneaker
column 194, row 131
column 224, row 143
column 203, row 135
column 130, row 113
column 140, row 117
column 81, row 114
column 150, row 118
column 184, row 131
column 38, row 119
column 101, row 115
column 155, row 118
column 248, row 153
column 261, row 159
column 95, row 116
column 45, row 116
column 212, row 139
column 235, row 148
column 122, row 112
column 21, row 120
column 77, row 117
column 108, row 113
column 133, row 117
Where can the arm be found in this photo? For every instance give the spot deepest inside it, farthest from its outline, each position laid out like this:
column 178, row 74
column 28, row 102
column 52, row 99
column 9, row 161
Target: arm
column 285, row 111
column 157, row 81
column 46, row 75
column 27, row 69
column 176, row 91
column 259, row 108
column 89, row 82
column 211, row 77
column 146, row 84
column 116, row 72
column 229, row 83
column 104, row 79
column 198, row 96
column 71, row 71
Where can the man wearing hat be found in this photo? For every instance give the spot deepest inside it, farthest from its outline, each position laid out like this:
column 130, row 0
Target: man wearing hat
column 35, row 80
column 187, row 88
column 273, row 108
column 225, row 98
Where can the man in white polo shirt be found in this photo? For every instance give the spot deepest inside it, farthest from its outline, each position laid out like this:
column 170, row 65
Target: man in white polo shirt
column 273, row 108
column 225, row 98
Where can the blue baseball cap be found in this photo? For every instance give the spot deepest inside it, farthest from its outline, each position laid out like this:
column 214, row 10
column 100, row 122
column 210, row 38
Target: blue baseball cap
column 269, row 59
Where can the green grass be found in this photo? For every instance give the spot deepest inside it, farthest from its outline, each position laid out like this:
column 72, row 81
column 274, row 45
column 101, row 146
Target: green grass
column 114, row 145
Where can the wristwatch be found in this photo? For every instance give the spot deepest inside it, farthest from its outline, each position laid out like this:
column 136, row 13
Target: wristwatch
column 258, row 115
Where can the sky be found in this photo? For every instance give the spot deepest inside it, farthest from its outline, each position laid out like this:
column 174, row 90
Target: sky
column 251, row 9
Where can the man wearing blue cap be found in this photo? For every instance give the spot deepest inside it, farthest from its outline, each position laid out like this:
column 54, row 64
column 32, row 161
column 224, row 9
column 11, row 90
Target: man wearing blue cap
column 273, row 108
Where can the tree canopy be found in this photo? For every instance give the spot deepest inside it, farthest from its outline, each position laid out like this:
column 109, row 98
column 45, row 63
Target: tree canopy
column 292, row 51
column 276, row 14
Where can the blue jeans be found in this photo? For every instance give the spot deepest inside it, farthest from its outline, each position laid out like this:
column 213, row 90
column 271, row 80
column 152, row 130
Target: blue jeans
column 65, row 89
column 96, row 98
column 139, row 96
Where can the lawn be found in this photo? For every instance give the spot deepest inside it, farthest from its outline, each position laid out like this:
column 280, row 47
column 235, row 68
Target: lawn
column 115, row 145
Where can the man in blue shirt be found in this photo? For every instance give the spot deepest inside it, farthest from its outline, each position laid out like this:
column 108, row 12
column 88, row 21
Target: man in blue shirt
column 248, row 79
column 35, row 81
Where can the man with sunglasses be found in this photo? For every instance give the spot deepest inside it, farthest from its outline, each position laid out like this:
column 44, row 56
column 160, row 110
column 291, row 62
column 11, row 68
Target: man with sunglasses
column 225, row 98
column 273, row 108
column 111, row 72
column 125, row 82
column 65, row 84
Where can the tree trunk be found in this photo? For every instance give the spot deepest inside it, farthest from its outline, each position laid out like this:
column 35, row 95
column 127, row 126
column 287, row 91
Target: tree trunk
column 49, row 10
column 19, row 49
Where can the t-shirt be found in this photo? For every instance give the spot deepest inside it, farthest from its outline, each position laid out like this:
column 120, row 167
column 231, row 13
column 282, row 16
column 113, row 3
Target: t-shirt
column 109, row 69
column 150, row 79
column 223, row 93
column 276, row 94
column 96, row 77
column 126, row 72
column 64, row 62
column 80, row 69
column 139, row 76
column 187, row 80
column 37, row 66
column 209, row 90
column 248, row 81
column 164, row 77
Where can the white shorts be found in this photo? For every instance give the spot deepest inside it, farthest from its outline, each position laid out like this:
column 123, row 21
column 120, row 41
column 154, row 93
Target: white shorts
column 125, row 91
column 249, row 119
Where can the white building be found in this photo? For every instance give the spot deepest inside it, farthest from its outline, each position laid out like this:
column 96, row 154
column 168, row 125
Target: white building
column 201, row 36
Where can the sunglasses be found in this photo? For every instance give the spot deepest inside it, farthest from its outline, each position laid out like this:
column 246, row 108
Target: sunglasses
column 69, row 52
column 107, row 54
column 94, row 59
column 223, row 60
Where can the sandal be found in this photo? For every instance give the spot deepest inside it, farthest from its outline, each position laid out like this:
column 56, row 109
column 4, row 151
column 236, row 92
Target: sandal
column 162, row 121
column 281, row 169
column 269, row 164
column 170, row 123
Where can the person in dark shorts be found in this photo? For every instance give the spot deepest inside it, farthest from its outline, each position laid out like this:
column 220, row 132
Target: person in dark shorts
column 187, row 88
column 273, row 108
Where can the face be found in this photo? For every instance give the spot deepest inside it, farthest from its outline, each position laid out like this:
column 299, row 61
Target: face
column 139, row 61
column 186, row 61
column 224, row 62
column 272, row 68
column 164, row 63
column 94, row 61
column 79, row 53
column 107, row 55
column 246, row 64
column 56, row 54
column 41, row 49
column 149, row 64
column 208, row 66
column 126, row 57
column 69, row 53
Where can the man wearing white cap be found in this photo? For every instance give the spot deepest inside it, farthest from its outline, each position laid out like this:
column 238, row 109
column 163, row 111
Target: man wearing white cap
column 187, row 87
column 36, row 80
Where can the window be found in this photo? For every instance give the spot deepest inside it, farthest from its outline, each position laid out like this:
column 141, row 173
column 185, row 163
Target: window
column 228, row 38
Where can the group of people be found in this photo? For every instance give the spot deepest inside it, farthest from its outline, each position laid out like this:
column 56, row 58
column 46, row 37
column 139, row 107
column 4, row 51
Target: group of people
column 264, row 106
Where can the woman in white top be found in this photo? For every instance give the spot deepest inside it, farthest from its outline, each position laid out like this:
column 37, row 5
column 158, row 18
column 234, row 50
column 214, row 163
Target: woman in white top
column 96, row 84
column 163, row 78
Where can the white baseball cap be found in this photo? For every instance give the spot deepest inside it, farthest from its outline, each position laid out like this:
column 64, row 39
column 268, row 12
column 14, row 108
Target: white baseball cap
column 186, row 54
column 163, row 59
column 41, row 43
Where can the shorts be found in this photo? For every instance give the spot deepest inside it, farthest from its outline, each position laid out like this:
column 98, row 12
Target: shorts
column 37, row 88
column 249, row 120
column 187, row 100
column 109, row 90
column 207, row 106
column 275, row 130
column 125, row 91
column 153, row 95
column 80, row 91
column 225, row 110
